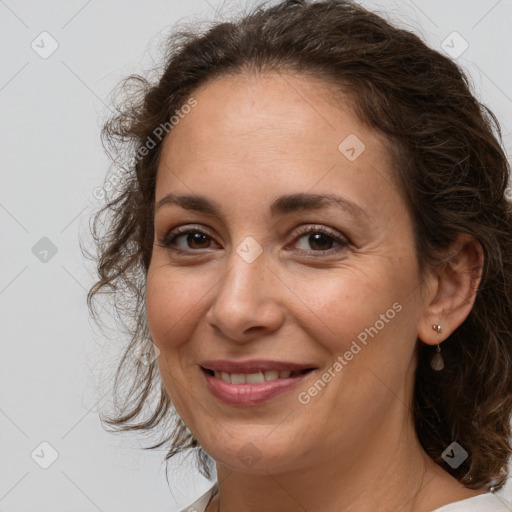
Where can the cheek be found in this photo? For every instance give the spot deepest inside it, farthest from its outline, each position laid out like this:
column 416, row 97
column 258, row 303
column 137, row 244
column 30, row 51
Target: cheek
column 171, row 308
column 338, row 308
column 157, row 303
column 364, row 322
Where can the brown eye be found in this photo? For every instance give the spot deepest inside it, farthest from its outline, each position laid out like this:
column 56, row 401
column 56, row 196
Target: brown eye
column 186, row 239
column 320, row 239
column 194, row 240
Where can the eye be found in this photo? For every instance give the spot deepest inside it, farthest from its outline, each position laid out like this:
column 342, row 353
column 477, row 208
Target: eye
column 191, row 239
column 320, row 239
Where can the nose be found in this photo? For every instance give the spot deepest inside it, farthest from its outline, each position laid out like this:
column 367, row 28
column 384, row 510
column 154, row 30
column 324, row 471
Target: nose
column 247, row 302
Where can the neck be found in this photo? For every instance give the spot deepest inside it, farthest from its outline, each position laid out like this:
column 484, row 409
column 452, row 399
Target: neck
column 388, row 472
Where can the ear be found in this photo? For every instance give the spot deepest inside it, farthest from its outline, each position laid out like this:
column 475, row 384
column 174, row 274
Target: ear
column 452, row 288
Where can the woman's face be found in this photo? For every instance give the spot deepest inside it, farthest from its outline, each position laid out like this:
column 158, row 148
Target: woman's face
column 260, row 276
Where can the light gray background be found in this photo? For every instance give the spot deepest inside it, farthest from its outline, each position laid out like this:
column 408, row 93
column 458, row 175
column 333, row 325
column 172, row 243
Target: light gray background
column 55, row 364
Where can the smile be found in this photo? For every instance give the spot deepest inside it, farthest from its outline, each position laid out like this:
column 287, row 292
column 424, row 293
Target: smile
column 255, row 378
column 254, row 388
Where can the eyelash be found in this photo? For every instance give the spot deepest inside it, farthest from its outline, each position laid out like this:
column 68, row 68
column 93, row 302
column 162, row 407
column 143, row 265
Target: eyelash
column 169, row 239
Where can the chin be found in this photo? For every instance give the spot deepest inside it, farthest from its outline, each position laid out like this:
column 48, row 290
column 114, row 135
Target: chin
column 252, row 454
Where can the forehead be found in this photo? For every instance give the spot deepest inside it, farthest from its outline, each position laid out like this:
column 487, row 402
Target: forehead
column 273, row 130
column 265, row 108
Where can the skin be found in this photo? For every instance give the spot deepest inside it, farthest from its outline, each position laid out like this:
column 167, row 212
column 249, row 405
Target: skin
column 249, row 140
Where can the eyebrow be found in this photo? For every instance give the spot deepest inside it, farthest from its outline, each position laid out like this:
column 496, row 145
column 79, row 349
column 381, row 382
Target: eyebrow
column 283, row 205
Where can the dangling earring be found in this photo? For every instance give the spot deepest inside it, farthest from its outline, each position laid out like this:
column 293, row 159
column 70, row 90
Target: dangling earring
column 437, row 362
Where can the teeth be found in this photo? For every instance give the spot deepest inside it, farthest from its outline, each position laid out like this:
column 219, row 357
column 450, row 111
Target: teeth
column 255, row 378
column 252, row 378
column 238, row 378
column 272, row 375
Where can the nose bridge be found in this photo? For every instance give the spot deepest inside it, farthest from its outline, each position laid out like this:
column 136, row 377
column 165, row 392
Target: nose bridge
column 247, row 266
column 245, row 296
column 243, row 286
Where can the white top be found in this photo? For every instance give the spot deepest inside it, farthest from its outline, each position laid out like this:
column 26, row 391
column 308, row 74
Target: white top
column 483, row 503
column 200, row 504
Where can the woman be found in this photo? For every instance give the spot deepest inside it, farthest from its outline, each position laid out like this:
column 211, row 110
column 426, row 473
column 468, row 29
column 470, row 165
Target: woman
column 314, row 234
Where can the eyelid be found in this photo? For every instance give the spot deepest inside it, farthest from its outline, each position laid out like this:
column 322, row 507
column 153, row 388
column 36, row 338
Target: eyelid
column 342, row 241
column 320, row 228
column 302, row 230
column 185, row 229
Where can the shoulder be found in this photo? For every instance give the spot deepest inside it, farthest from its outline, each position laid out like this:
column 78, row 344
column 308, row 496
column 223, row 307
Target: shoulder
column 200, row 504
column 483, row 503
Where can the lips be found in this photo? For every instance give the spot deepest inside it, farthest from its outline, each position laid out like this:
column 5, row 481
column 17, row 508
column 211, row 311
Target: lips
column 255, row 378
column 254, row 366
column 250, row 383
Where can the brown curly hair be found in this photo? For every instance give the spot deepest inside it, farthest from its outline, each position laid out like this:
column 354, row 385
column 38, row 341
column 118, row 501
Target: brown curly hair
column 451, row 166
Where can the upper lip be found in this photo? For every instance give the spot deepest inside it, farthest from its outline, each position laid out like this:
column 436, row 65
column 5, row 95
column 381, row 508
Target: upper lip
column 252, row 366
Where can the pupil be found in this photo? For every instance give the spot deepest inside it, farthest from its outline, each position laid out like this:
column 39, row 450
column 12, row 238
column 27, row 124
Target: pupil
column 196, row 239
column 318, row 238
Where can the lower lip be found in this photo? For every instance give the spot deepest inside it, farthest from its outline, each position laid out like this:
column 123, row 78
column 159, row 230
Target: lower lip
column 250, row 394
